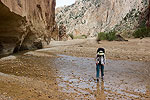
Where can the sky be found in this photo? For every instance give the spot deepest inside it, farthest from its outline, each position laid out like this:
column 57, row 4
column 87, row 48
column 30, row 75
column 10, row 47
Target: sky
column 60, row 3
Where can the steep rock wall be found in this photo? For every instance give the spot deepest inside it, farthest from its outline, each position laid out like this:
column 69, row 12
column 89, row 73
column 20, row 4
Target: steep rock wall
column 26, row 24
column 145, row 16
column 92, row 16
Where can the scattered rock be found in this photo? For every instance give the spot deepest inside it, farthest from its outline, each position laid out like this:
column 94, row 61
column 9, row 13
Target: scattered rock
column 62, row 33
column 80, row 46
column 120, row 38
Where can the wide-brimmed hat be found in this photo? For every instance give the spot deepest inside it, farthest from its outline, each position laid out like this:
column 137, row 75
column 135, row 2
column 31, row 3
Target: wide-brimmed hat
column 101, row 53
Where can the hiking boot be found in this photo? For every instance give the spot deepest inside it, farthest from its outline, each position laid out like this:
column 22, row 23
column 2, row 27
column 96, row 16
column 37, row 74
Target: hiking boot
column 97, row 80
column 102, row 78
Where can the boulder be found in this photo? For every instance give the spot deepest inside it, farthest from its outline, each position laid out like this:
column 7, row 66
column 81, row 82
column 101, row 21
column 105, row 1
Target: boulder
column 120, row 38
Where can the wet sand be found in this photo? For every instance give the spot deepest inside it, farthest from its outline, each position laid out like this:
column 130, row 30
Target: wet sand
column 30, row 77
column 48, row 74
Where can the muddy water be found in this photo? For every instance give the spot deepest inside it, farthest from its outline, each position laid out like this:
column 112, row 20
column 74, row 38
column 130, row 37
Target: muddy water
column 42, row 76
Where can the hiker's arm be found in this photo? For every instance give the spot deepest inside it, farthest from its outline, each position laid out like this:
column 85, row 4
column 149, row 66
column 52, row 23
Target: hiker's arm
column 96, row 60
column 104, row 59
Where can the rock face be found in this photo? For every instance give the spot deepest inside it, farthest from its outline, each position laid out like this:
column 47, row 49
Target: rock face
column 92, row 16
column 62, row 33
column 145, row 16
column 26, row 24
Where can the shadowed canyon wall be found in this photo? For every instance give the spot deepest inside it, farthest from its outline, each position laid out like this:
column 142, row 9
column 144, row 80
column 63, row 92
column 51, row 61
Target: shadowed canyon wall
column 146, row 15
column 26, row 24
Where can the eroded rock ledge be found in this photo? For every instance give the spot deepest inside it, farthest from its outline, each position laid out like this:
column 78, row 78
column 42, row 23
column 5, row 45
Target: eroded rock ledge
column 26, row 24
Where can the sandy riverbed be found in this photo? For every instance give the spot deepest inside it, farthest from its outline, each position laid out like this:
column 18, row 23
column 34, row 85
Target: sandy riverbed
column 66, row 70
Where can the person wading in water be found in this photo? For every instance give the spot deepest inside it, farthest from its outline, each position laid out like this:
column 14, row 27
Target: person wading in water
column 100, row 61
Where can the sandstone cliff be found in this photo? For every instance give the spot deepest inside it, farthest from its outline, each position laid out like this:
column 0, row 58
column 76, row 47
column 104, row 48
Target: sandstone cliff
column 92, row 16
column 26, row 24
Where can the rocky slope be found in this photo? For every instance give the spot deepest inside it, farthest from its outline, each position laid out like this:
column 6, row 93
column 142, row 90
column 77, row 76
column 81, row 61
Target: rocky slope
column 92, row 16
column 26, row 24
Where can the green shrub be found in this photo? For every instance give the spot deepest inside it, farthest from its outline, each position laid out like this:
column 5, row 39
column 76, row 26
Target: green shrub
column 101, row 36
column 71, row 35
column 142, row 32
column 110, row 36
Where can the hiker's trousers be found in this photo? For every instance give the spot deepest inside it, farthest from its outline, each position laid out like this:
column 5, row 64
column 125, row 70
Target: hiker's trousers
column 98, row 67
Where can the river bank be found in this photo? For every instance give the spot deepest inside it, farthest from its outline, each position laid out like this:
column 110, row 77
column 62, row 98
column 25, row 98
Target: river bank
column 133, row 49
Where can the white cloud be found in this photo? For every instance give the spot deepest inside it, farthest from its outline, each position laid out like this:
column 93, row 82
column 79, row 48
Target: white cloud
column 60, row 3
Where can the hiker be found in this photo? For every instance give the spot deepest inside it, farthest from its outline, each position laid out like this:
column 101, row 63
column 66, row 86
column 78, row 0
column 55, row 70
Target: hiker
column 100, row 61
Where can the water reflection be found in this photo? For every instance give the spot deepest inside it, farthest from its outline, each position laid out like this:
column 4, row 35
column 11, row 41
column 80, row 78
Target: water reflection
column 100, row 95
column 148, row 90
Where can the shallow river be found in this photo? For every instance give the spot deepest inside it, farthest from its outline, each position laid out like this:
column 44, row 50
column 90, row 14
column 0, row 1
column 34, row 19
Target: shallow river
column 40, row 75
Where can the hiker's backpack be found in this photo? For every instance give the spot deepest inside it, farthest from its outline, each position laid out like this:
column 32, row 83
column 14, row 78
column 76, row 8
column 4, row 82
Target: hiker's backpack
column 101, row 49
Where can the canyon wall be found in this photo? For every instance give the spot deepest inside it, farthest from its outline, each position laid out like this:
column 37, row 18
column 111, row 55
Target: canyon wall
column 89, row 17
column 26, row 24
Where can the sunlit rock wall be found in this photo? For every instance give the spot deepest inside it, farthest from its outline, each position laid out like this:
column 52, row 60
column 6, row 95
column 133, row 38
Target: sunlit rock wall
column 90, row 17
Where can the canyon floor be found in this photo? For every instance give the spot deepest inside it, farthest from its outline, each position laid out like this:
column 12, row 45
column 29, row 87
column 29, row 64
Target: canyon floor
column 65, row 70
